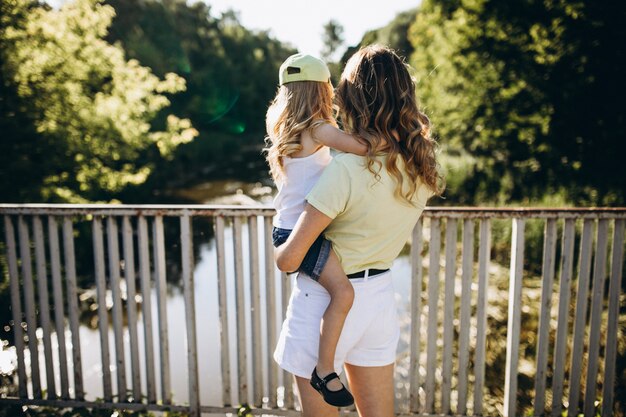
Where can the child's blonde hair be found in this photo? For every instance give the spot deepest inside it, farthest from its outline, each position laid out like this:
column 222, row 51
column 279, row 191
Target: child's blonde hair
column 298, row 107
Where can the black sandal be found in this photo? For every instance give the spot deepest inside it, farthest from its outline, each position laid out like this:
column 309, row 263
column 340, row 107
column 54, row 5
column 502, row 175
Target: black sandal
column 340, row 398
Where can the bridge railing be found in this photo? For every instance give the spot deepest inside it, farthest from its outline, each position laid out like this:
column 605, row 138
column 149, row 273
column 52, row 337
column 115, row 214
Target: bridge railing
column 54, row 254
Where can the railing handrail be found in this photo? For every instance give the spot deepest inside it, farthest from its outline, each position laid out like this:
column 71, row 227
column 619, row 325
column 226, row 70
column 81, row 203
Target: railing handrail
column 265, row 210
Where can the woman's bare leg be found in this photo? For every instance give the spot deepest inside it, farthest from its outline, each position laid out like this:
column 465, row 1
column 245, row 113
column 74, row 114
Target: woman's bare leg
column 372, row 388
column 341, row 297
column 312, row 403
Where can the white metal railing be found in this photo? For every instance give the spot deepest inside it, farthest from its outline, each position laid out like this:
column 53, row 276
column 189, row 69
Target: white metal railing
column 448, row 308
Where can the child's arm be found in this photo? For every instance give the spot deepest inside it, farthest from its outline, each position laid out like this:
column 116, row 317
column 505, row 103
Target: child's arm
column 336, row 138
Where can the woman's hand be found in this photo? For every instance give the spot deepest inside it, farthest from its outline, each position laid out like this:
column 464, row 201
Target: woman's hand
column 310, row 225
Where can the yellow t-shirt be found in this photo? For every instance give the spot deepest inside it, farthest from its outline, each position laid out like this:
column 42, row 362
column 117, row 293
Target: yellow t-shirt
column 371, row 225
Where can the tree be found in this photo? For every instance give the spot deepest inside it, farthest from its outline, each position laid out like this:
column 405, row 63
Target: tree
column 78, row 114
column 530, row 90
column 394, row 34
column 231, row 75
column 332, row 37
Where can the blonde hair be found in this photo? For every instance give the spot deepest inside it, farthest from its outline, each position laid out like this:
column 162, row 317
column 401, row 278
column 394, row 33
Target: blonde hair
column 298, row 107
column 376, row 99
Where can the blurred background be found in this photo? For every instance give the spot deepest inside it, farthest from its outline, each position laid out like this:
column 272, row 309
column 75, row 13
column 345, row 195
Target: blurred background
column 163, row 101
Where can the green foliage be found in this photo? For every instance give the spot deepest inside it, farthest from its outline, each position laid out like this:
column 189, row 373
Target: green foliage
column 455, row 164
column 524, row 87
column 73, row 103
column 244, row 410
column 231, row 75
column 394, row 35
column 332, row 38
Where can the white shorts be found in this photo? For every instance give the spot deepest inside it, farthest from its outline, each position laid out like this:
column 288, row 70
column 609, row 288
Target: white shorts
column 370, row 334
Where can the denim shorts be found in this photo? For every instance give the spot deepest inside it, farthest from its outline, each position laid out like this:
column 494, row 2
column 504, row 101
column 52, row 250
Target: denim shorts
column 315, row 259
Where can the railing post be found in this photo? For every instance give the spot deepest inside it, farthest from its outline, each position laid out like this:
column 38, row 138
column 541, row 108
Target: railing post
column 611, row 333
column 514, row 317
column 433, row 307
column 597, row 295
column 146, row 305
column 484, row 252
column 16, row 306
column 29, row 303
column 116, row 310
column 44, row 305
column 270, row 291
column 103, row 319
column 59, row 308
column 448, row 315
column 190, row 313
column 255, row 307
column 465, row 311
column 158, row 250
column 72, row 305
column 131, row 304
column 560, row 346
column 242, row 374
column 416, row 316
column 547, row 283
column 584, row 269
column 222, row 298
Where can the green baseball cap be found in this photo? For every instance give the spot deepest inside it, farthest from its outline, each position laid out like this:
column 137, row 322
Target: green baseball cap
column 302, row 67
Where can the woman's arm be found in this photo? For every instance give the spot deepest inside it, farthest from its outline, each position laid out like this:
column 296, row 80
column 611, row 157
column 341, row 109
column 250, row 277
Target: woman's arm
column 336, row 138
column 311, row 224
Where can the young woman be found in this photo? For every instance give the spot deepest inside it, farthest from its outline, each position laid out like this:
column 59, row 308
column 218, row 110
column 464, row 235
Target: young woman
column 367, row 208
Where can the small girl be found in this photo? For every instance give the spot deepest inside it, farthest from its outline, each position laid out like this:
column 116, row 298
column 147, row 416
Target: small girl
column 301, row 129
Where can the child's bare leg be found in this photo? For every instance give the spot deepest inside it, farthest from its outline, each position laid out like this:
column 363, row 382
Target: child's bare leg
column 341, row 296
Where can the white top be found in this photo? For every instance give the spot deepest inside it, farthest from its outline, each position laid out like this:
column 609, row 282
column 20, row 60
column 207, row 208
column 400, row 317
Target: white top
column 299, row 177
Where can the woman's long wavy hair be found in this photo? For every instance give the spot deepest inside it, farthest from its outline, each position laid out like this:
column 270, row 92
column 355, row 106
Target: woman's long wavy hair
column 298, row 106
column 376, row 99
